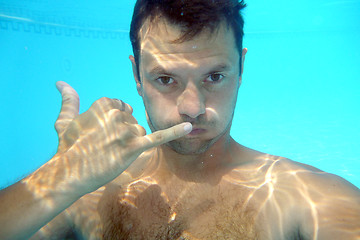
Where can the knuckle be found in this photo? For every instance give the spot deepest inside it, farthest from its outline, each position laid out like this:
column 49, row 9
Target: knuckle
column 174, row 132
column 141, row 130
column 123, row 106
column 61, row 124
column 123, row 136
column 102, row 104
column 103, row 101
column 159, row 137
column 132, row 119
column 130, row 108
column 117, row 116
column 114, row 113
column 66, row 97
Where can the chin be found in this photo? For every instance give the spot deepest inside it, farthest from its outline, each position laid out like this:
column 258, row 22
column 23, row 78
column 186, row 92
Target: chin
column 190, row 147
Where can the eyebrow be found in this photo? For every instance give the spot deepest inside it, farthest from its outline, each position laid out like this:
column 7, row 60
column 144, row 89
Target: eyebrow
column 220, row 68
column 158, row 70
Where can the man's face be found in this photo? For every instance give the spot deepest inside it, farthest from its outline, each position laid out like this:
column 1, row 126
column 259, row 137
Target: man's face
column 194, row 81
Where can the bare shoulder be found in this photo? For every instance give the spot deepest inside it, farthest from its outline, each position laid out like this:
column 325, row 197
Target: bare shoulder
column 305, row 200
column 312, row 184
column 314, row 179
column 326, row 206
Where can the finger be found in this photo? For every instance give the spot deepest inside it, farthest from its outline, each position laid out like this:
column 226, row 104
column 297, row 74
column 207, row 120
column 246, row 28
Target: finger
column 163, row 136
column 122, row 117
column 105, row 104
column 119, row 104
column 137, row 129
column 69, row 107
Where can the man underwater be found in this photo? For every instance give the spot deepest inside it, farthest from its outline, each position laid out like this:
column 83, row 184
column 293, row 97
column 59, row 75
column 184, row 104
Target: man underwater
column 188, row 179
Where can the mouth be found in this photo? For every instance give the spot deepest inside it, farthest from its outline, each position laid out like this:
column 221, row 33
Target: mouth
column 197, row 131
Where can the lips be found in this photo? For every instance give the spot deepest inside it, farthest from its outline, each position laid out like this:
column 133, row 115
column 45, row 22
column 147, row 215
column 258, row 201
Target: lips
column 197, row 131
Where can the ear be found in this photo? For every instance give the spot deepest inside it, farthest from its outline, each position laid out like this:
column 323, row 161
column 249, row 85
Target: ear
column 136, row 75
column 243, row 53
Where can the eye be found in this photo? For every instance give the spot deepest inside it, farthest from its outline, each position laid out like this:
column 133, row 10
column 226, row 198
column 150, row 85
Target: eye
column 215, row 77
column 165, row 80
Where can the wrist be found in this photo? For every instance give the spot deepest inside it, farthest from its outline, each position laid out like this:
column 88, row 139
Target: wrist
column 54, row 182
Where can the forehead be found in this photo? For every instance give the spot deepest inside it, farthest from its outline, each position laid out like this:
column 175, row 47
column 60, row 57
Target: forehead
column 158, row 38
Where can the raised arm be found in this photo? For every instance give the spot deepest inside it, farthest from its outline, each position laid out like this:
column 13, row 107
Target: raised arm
column 94, row 148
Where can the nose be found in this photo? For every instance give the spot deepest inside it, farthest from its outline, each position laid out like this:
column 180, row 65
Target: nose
column 191, row 102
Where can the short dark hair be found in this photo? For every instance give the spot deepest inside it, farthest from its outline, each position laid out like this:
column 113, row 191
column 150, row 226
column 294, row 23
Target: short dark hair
column 192, row 15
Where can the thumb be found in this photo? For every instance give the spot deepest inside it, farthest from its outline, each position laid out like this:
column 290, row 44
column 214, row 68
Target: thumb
column 69, row 107
column 167, row 135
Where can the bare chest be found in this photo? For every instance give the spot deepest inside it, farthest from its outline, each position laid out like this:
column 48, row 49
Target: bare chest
column 146, row 211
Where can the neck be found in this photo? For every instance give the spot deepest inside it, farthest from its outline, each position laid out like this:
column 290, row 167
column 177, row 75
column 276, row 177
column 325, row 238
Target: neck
column 209, row 166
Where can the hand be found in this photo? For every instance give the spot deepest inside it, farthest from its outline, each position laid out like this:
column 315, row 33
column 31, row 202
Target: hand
column 98, row 145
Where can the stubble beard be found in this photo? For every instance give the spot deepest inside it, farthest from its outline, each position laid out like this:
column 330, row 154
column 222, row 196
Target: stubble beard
column 190, row 145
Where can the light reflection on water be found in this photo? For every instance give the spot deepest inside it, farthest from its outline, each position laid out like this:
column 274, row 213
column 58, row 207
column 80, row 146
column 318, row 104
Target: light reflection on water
column 274, row 188
column 268, row 185
column 321, row 129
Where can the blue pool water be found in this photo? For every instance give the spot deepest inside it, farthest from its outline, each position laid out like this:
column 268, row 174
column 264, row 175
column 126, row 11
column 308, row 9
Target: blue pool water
column 300, row 95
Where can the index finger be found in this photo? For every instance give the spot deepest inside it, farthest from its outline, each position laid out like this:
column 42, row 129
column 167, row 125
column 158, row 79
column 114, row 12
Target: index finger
column 69, row 107
column 167, row 135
